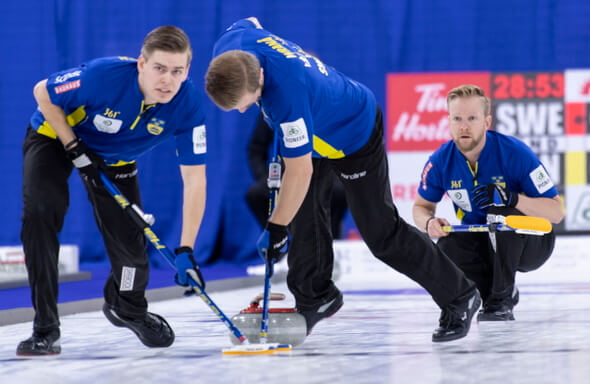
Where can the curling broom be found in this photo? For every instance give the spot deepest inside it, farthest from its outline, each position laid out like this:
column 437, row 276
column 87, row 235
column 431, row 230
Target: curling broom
column 528, row 225
column 145, row 221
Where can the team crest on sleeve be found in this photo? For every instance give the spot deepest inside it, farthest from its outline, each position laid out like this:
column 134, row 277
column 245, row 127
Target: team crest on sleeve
column 295, row 133
column 199, row 140
column 461, row 198
column 541, row 179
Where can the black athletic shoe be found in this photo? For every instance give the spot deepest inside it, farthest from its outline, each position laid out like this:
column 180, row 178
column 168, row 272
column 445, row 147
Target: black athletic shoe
column 40, row 344
column 498, row 309
column 455, row 319
column 502, row 313
column 323, row 311
column 152, row 330
column 515, row 296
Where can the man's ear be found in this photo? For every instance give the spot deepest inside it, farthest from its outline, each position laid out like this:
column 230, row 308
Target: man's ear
column 140, row 63
column 188, row 68
column 488, row 121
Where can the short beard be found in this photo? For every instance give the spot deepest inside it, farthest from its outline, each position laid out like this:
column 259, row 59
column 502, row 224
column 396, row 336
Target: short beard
column 467, row 148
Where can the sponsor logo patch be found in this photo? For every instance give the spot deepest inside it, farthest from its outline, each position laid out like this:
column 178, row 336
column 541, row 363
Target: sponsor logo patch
column 199, row 140
column 67, row 87
column 127, row 279
column 461, row 198
column 541, row 179
column 106, row 124
column 66, row 76
column 295, row 133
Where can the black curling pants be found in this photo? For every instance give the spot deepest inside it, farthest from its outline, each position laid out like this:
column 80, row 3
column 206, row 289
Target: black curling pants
column 365, row 178
column 494, row 271
column 46, row 199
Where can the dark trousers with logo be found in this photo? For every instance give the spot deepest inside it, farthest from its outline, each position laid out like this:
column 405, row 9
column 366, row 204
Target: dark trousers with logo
column 494, row 271
column 365, row 178
column 46, row 200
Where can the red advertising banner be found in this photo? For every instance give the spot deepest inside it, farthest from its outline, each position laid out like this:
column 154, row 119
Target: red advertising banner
column 416, row 108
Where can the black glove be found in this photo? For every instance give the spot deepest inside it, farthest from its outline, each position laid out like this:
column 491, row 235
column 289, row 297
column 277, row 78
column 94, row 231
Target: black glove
column 273, row 243
column 87, row 162
column 185, row 261
column 485, row 195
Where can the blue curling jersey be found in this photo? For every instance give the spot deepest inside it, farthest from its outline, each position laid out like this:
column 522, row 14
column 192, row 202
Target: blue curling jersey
column 313, row 107
column 504, row 160
column 105, row 109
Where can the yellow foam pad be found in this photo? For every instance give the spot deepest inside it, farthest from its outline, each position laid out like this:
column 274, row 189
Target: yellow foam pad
column 529, row 223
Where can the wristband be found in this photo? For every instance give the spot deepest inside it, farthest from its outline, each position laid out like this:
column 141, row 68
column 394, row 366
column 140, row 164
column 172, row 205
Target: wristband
column 71, row 144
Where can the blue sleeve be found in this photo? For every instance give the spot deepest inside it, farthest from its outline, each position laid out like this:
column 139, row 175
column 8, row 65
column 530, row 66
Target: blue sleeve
column 291, row 118
column 534, row 180
column 191, row 138
column 70, row 88
column 431, row 187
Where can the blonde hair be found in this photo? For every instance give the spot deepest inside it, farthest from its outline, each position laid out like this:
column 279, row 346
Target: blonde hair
column 469, row 90
column 230, row 76
column 167, row 38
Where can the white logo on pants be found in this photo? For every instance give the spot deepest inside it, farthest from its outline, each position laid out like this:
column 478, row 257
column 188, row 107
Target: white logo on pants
column 127, row 279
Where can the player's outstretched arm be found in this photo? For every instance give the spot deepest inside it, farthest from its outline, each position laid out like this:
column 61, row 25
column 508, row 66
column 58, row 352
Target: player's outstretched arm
column 424, row 212
column 54, row 114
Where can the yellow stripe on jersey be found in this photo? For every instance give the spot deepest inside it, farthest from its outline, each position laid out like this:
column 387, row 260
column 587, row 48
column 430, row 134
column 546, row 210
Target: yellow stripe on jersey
column 121, row 163
column 77, row 116
column 73, row 118
column 460, row 214
column 144, row 107
column 575, row 168
column 46, row 130
column 325, row 149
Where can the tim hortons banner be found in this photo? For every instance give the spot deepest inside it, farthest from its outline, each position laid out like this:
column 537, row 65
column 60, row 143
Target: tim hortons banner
column 549, row 111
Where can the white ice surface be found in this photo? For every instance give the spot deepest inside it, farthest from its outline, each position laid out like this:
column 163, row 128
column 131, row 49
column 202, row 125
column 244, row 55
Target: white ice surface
column 377, row 337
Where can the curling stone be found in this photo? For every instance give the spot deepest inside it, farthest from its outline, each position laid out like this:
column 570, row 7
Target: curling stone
column 285, row 325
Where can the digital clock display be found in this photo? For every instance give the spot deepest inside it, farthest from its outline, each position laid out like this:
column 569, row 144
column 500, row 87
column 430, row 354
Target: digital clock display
column 534, row 85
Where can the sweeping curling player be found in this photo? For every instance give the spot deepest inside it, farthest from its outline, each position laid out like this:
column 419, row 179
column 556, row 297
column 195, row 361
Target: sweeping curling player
column 144, row 221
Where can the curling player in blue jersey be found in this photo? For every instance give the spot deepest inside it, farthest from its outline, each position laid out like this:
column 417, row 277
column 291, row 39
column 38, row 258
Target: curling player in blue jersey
column 487, row 174
column 101, row 116
column 328, row 123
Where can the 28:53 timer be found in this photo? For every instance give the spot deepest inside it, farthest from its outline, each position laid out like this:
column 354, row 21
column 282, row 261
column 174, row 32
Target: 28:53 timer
column 537, row 85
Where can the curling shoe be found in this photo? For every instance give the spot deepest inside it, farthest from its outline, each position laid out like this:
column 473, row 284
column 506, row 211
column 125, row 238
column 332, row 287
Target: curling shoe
column 455, row 318
column 40, row 344
column 501, row 313
column 152, row 330
column 515, row 296
column 323, row 311
column 497, row 310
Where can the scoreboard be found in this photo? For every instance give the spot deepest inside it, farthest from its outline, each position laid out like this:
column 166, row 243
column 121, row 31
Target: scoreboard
column 546, row 110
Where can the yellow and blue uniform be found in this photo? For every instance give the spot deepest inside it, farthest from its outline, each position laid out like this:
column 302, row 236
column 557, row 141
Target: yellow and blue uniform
column 504, row 160
column 312, row 106
column 105, row 108
column 317, row 110
column 490, row 261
